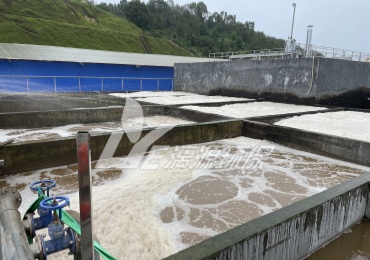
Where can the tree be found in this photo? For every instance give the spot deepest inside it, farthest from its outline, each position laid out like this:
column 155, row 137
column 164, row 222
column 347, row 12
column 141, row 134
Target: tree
column 136, row 12
column 120, row 8
column 160, row 14
column 193, row 27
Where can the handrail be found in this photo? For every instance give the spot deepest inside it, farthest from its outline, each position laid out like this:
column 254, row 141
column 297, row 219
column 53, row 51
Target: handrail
column 79, row 78
column 301, row 51
column 82, row 77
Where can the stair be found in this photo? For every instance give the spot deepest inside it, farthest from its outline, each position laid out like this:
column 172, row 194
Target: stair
column 144, row 44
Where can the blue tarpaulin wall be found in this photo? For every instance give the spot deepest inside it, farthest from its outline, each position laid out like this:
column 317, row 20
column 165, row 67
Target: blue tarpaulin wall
column 85, row 77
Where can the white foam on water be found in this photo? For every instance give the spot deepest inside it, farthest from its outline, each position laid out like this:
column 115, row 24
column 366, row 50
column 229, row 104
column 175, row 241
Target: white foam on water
column 151, row 94
column 253, row 109
column 259, row 185
column 127, row 210
column 24, row 135
column 190, row 99
column 349, row 124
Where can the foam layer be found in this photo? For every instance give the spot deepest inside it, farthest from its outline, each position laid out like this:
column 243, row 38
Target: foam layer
column 189, row 99
column 151, row 94
column 26, row 135
column 349, row 124
column 180, row 196
column 254, row 109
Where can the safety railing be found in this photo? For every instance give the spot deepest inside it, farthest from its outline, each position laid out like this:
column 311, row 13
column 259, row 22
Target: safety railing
column 301, row 51
column 334, row 53
column 231, row 54
column 30, row 83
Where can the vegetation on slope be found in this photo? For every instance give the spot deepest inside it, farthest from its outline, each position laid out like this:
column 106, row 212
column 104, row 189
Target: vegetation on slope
column 73, row 23
column 193, row 27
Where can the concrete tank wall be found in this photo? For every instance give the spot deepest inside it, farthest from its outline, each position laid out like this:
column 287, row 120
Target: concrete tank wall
column 22, row 157
column 306, row 80
column 37, row 119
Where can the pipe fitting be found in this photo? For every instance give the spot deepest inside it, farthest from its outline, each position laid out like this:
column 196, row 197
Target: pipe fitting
column 13, row 241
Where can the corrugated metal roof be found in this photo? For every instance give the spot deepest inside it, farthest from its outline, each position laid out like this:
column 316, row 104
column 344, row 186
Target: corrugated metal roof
column 13, row 51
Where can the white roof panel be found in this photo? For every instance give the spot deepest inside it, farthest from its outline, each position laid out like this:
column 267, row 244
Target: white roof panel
column 15, row 51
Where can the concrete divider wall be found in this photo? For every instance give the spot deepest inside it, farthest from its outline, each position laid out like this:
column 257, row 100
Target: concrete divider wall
column 276, row 118
column 333, row 146
column 60, row 101
column 292, row 232
column 39, row 155
column 306, row 80
column 94, row 115
column 185, row 114
column 59, row 118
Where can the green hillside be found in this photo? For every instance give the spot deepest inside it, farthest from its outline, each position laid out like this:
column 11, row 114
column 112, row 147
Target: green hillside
column 73, row 23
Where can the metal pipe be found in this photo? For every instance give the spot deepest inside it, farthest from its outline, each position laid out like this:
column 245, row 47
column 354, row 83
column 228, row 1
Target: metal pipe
column 28, row 86
column 291, row 33
column 84, row 183
column 14, row 244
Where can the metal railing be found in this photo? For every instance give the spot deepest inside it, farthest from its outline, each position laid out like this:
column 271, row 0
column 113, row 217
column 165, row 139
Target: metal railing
column 80, row 82
column 301, row 51
column 231, row 54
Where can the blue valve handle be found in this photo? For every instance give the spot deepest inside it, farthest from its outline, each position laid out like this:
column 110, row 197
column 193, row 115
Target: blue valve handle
column 35, row 186
column 47, row 204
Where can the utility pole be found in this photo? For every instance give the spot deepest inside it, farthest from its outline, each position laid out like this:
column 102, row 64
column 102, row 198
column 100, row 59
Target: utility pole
column 291, row 33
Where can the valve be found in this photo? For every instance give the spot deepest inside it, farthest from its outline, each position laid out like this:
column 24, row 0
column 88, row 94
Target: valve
column 68, row 239
column 43, row 185
column 32, row 224
column 60, row 238
column 57, row 203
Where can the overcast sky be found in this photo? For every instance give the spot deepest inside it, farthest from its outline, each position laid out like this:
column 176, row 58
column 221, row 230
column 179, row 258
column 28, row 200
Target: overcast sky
column 341, row 24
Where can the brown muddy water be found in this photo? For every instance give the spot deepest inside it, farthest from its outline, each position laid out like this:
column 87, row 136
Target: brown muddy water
column 354, row 244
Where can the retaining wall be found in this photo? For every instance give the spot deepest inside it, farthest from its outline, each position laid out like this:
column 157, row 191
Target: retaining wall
column 305, row 80
column 292, row 232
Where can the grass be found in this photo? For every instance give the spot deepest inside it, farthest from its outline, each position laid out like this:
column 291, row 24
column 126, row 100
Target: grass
column 163, row 46
column 74, row 23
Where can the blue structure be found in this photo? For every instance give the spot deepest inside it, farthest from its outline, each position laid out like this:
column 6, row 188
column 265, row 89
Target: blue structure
column 46, row 76
column 38, row 68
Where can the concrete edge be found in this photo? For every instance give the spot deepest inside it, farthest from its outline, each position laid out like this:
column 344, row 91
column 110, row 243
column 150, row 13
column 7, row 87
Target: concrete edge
column 216, row 104
column 270, row 119
column 22, row 157
column 54, row 118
